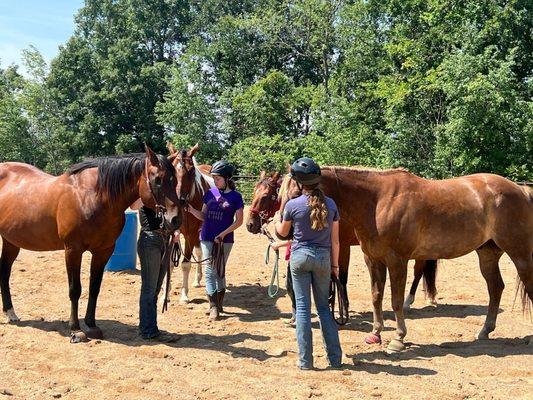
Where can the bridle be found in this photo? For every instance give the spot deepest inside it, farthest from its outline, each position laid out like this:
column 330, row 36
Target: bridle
column 184, row 199
column 160, row 209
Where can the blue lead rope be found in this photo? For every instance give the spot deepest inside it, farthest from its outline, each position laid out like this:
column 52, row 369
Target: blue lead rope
column 273, row 288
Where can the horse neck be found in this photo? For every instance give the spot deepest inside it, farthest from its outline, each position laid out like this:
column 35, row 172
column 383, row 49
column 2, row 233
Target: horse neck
column 199, row 187
column 354, row 192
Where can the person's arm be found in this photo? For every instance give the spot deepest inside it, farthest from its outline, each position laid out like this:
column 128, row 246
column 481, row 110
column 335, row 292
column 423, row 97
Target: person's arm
column 283, row 228
column 198, row 214
column 335, row 246
column 239, row 218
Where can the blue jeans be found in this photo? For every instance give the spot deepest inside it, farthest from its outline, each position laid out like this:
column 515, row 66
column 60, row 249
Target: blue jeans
column 213, row 283
column 150, row 247
column 311, row 268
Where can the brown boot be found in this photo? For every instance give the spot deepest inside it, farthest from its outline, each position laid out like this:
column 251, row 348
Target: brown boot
column 213, row 308
column 220, row 300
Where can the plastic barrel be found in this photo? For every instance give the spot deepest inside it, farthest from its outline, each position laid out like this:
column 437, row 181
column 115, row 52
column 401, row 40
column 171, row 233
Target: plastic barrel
column 125, row 254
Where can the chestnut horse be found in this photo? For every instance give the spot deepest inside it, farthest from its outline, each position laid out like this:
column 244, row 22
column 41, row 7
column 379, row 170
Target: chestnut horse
column 81, row 210
column 193, row 182
column 267, row 200
column 398, row 216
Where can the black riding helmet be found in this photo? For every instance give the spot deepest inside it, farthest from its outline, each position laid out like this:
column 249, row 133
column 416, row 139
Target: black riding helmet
column 305, row 171
column 223, row 168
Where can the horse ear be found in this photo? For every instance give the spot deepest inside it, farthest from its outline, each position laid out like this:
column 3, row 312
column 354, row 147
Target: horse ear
column 171, row 149
column 262, row 174
column 194, row 149
column 275, row 176
column 151, row 156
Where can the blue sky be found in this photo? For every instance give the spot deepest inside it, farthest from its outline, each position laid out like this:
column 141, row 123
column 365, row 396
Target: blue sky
column 43, row 23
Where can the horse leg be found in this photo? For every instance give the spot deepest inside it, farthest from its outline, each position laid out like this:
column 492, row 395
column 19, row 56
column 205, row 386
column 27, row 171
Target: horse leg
column 73, row 263
column 419, row 270
column 524, row 266
column 198, row 275
column 429, row 274
column 186, row 269
column 290, row 292
column 378, row 276
column 398, row 277
column 344, row 263
column 489, row 255
column 9, row 254
column 98, row 262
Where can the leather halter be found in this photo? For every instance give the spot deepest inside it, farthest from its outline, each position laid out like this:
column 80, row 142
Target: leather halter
column 160, row 209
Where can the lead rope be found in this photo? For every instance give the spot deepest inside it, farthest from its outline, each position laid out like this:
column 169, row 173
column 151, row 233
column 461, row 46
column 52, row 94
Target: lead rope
column 174, row 255
column 273, row 288
column 337, row 292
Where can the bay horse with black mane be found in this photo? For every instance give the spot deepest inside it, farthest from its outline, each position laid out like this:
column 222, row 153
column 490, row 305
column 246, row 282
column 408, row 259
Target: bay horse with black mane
column 193, row 182
column 267, row 201
column 398, row 216
column 81, row 210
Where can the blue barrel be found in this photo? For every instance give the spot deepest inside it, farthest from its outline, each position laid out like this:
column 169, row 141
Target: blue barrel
column 125, row 254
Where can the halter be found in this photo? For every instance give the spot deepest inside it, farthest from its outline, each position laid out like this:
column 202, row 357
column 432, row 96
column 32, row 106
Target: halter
column 265, row 216
column 185, row 199
column 160, row 210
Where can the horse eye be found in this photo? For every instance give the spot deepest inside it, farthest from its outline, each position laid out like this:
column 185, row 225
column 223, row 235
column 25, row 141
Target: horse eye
column 157, row 181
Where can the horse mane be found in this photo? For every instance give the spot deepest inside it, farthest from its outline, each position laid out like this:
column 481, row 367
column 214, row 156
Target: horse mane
column 200, row 180
column 117, row 173
column 362, row 169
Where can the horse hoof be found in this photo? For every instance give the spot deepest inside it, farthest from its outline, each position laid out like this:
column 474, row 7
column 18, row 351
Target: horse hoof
column 95, row 333
column 482, row 335
column 373, row 338
column 184, row 300
column 395, row 346
column 11, row 316
column 432, row 303
column 78, row 337
column 196, row 284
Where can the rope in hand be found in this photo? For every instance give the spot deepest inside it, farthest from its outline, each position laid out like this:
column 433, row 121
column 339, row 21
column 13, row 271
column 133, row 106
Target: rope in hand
column 273, row 288
column 337, row 292
column 218, row 259
column 169, row 259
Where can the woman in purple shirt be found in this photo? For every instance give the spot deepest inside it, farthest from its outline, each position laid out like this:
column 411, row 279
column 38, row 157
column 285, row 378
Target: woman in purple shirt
column 222, row 213
column 314, row 257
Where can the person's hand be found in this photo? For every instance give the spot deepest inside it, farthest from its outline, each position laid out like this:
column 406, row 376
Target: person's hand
column 335, row 271
column 220, row 237
column 275, row 245
column 176, row 237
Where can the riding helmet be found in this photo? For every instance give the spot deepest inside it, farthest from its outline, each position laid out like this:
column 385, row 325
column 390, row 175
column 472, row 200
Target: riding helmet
column 305, row 171
column 223, row 168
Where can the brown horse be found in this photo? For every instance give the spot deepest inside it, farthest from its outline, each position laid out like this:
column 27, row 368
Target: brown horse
column 193, row 182
column 398, row 216
column 81, row 210
column 267, row 200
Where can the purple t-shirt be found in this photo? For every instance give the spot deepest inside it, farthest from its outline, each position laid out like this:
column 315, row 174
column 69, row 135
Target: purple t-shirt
column 220, row 213
column 297, row 211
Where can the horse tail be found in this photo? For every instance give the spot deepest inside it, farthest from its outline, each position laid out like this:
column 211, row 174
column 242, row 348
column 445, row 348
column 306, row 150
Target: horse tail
column 430, row 278
column 525, row 299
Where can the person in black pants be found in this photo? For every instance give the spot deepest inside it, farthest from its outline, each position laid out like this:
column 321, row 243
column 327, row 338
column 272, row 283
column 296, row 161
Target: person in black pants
column 151, row 250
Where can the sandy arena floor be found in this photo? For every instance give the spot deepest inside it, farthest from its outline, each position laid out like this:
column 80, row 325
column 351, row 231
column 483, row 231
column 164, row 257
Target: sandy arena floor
column 250, row 354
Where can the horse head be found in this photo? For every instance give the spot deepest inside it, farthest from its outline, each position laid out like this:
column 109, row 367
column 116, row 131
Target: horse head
column 266, row 201
column 158, row 188
column 183, row 162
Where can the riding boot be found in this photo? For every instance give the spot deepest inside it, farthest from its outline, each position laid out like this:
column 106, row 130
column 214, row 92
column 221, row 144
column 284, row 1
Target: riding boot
column 220, row 298
column 213, row 307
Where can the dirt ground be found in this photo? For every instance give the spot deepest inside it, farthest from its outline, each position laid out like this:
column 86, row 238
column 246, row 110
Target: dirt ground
column 250, row 354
